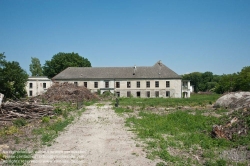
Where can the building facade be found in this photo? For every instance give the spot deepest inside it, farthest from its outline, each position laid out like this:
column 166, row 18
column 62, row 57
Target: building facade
column 37, row 85
column 152, row 81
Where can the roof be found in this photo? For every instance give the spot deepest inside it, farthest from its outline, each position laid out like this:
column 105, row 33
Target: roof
column 159, row 70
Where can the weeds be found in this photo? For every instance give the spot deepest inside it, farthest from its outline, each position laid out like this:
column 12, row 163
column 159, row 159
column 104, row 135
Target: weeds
column 19, row 122
column 20, row 157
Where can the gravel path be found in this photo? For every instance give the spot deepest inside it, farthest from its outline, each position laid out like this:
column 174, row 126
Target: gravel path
column 97, row 138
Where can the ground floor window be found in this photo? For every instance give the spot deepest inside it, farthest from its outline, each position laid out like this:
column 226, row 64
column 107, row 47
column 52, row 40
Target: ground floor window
column 138, row 94
column 128, row 94
column 118, row 94
column 148, row 93
column 85, row 84
column 167, row 94
column 30, row 93
column 156, row 93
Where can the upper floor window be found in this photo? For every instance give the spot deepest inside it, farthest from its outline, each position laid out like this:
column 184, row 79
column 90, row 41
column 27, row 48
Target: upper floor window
column 96, row 84
column 85, row 84
column 117, row 84
column 44, row 85
column 148, row 84
column 157, row 84
column 128, row 84
column 31, row 85
column 106, row 84
column 75, row 83
column 167, row 84
column 138, row 84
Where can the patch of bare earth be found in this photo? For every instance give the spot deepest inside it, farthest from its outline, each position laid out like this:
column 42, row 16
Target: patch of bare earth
column 97, row 138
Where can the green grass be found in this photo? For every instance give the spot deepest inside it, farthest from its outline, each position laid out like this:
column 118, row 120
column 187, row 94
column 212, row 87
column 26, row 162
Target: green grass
column 19, row 158
column 88, row 103
column 194, row 100
column 188, row 132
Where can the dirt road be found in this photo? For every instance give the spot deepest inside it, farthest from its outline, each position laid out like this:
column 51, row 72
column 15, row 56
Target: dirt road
column 97, row 138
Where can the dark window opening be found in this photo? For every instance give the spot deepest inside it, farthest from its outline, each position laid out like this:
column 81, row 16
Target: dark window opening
column 157, row 84
column 167, row 84
column 85, row 84
column 76, row 83
column 128, row 84
column 138, row 84
column 96, row 84
column 31, row 85
column 117, row 84
column 167, row 93
column 118, row 94
column 44, row 85
column 148, row 84
column 30, row 93
column 106, row 84
column 138, row 94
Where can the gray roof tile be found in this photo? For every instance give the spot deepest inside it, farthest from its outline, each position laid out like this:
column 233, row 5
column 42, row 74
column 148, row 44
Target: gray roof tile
column 159, row 70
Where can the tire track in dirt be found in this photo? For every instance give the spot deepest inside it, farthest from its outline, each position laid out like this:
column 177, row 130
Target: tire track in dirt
column 97, row 138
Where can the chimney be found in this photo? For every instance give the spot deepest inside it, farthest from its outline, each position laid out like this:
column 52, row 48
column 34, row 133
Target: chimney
column 134, row 70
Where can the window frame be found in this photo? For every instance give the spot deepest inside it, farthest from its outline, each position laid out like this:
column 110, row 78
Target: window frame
column 128, row 84
column 117, row 84
column 157, row 84
column 95, row 84
column 106, row 84
column 147, row 84
column 167, row 84
column 138, row 84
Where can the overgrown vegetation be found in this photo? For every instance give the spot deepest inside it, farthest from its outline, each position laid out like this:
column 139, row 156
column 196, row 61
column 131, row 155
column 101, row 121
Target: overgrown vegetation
column 183, row 137
column 195, row 100
column 44, row 134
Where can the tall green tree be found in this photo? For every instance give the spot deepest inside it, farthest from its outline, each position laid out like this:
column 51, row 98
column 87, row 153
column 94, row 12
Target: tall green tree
column 61, row 61
column 35, row 67
column 12, row 79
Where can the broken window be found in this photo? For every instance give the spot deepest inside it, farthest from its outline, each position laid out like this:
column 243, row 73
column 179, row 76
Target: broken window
column 117, row 84
column 138, row 94
column 76, row 83
column 148, row 93
column 44, row 85
column 85, row 84
column 31, row 85
column 156, row 93
column 128, row 94
column 167, row 93
column 30, row 93
column 129, row 84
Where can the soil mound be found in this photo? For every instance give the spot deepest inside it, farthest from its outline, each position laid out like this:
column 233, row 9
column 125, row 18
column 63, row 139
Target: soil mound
column 234, row 100
column 66, row 92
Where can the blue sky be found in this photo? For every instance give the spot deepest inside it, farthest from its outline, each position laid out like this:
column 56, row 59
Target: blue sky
column 187, row 35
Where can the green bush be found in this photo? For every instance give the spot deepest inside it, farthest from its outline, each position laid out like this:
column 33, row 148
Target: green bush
column 45, row 119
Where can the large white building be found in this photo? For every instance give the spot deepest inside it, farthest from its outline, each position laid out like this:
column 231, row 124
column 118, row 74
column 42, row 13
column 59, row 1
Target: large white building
column 151, row 81
column 37, row 85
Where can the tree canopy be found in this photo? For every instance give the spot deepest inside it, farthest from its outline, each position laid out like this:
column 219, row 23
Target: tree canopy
column 61, row 61
column 35, row 67
column 12, row 79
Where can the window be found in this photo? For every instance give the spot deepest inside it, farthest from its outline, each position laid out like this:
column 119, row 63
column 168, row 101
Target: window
column 76, row 83
column 128, row 84
column 156, row 93
column 148, row 84
column 30, row 93
column 157, row 84
column 148, row 93
column 44, row 85
column 128, row 94
column 106, row 84
column 167, row 84
column 96, row 84
column 85, row 84
column 138, row 94
column 117, row 84
column 31, row 85
column 118, row 94
column 138, row 84
column 167, row 93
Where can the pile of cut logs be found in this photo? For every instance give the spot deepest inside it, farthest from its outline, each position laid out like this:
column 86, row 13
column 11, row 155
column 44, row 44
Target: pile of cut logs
column 14, row 110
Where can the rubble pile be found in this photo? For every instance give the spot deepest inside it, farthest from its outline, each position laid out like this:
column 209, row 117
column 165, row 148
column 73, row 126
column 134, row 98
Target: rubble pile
column 14, row 110
column 234, row 100
column 238, row 125
column 66, row 92
column 238, row 122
